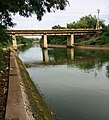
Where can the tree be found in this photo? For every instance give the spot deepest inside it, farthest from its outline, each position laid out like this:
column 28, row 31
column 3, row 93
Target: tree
column 85, row 22
column 28, row 7
column 59, row 39
column 5, row 39
column 58, row 27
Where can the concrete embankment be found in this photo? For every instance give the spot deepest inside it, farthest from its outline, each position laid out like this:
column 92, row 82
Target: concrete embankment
column 57, row 46
column 24, row 100
column 103, row 47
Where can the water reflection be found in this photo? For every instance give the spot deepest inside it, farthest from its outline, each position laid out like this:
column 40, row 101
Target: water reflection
column 45, row 55
column 90, row 59
column 70, row 54
column 84, row 59
column 75, row 82
column 24, row 47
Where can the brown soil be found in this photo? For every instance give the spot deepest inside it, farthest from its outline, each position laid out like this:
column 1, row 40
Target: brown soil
column 4, row 79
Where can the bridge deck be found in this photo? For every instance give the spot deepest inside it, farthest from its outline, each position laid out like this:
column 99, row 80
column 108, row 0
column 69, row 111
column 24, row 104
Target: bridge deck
column 52, row 32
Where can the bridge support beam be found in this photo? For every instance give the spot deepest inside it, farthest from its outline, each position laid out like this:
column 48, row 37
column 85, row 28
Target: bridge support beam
column 44, row 41
column 14, row 42
column 70, row 41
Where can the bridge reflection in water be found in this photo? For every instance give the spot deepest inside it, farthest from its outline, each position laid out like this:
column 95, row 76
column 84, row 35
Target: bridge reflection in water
column 70, row 55
column 50, row 56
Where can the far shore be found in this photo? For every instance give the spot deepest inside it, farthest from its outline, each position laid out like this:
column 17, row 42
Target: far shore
column 103, row 47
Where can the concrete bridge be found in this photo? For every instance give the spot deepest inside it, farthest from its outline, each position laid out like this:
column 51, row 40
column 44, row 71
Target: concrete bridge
column 70, row 33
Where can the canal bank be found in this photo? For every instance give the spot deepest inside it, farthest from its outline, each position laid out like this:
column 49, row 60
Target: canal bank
column 24, row 100
column 94, row 47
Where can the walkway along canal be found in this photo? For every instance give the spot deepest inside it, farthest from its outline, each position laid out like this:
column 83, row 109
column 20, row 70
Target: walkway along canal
column 74, row 82
column 24, row 100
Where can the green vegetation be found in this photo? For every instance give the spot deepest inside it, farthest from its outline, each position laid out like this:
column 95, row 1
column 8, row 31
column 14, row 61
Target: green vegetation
column 24, row 48
column 1, row 60
column 84, row 22
column 24, row 8
column 57, row 39
column 5, row 40
column 24, row 41
column 87, row 60
column 38, row 106
column 27, row 8
column 102, row 39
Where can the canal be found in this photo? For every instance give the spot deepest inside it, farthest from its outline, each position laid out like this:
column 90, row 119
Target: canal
column 74, row 82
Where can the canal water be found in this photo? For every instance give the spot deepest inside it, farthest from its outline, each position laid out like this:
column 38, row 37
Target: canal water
column 74, row 82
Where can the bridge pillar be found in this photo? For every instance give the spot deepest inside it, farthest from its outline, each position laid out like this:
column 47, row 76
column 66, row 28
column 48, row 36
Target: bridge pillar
column 14, row 42
column 70, row 40
column 44, row 41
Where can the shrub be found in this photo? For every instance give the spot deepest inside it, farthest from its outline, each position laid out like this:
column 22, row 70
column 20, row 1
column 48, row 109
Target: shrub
column 89, row 42
column 92, row 42
column 5, row 39
column 1, row 59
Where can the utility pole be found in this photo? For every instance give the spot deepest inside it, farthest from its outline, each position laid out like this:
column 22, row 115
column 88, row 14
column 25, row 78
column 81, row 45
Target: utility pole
column 98, row 20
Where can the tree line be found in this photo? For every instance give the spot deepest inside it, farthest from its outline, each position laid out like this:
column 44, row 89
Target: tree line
column 85, row 22
column 27, row 8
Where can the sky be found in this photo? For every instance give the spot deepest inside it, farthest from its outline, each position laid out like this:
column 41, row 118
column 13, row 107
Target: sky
column 73, row 12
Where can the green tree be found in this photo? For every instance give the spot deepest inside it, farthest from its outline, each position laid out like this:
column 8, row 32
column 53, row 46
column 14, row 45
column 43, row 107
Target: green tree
column 28, row 7
column 23, row 40
column 4, row 38
column 86, row 22
column 57, row 39
column 25, row 8
column 58, row 27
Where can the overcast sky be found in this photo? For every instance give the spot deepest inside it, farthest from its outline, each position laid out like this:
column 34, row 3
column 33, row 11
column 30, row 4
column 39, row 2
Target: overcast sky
column 76, row 10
